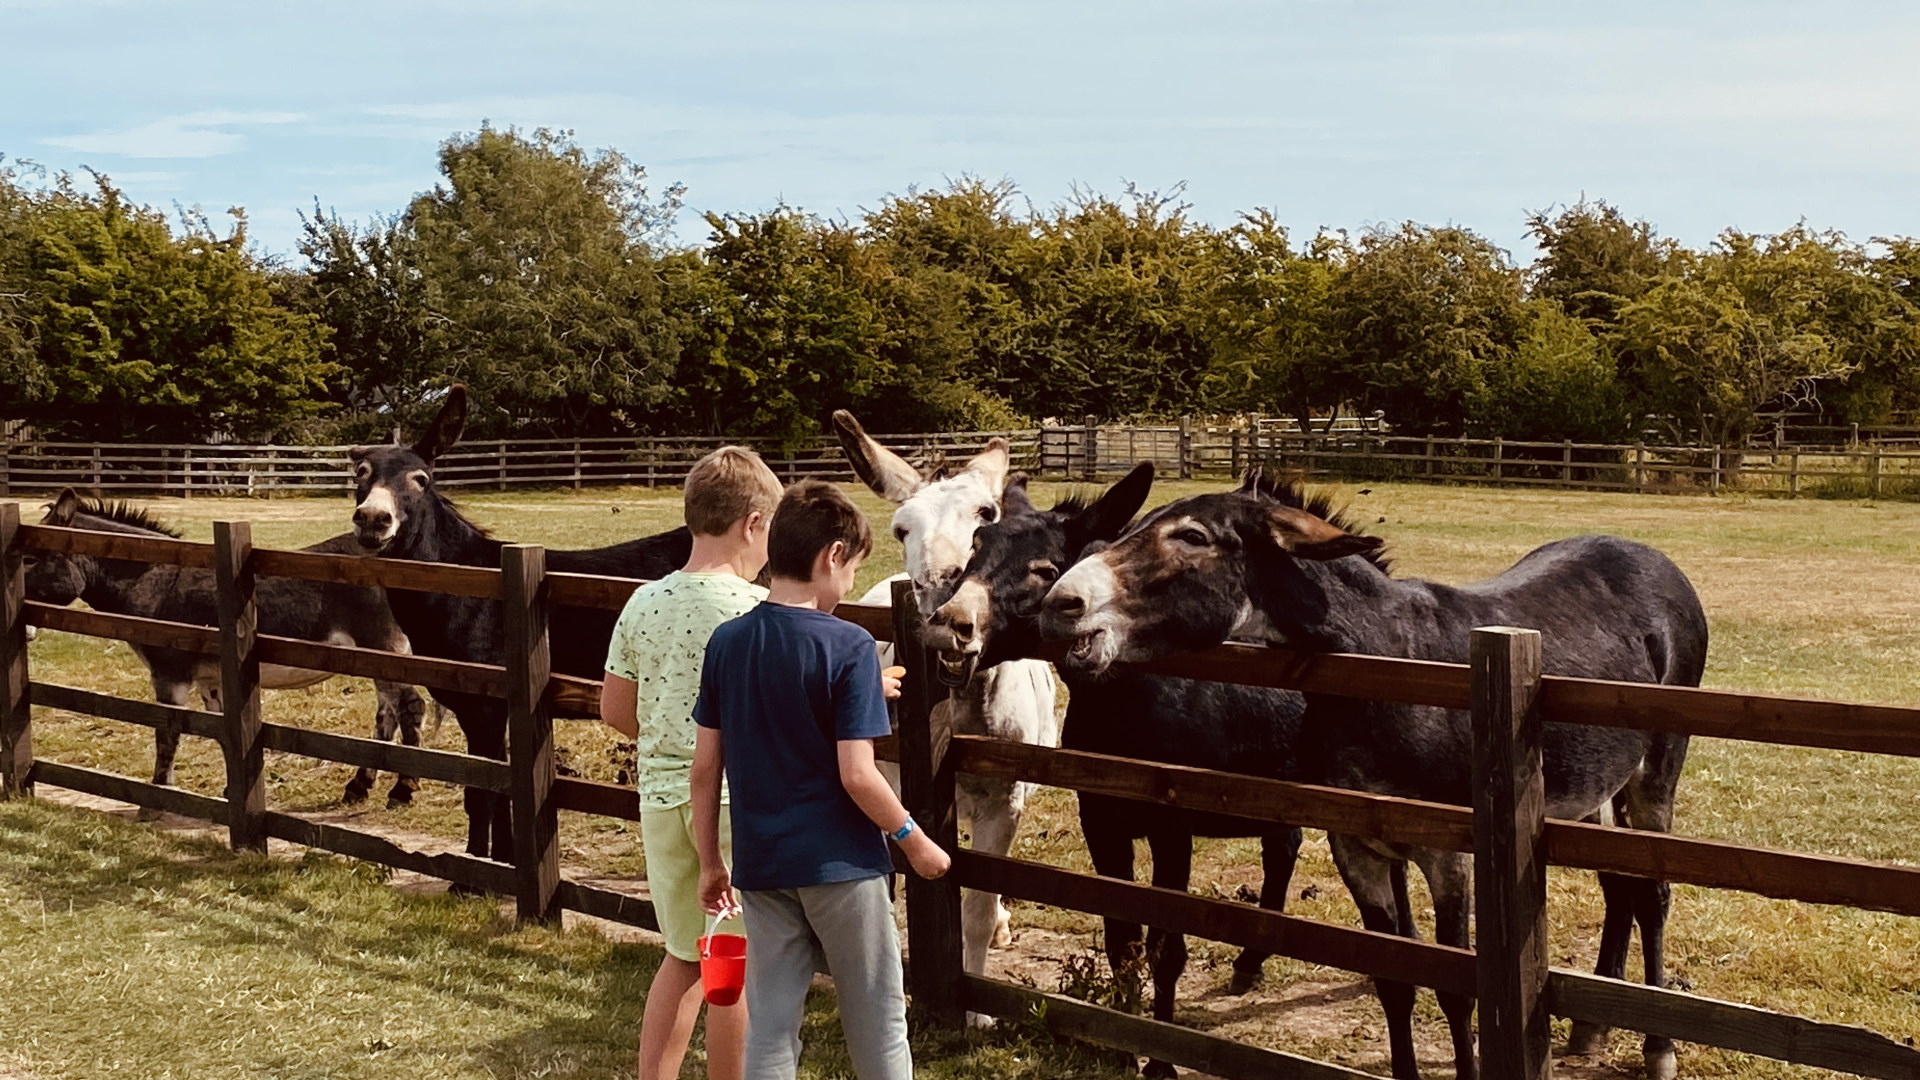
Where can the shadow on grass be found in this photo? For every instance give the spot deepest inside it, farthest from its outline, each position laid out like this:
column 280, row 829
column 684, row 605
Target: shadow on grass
column 368, row 981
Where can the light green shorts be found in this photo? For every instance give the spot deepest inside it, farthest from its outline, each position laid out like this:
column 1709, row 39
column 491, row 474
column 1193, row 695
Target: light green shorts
column 673, row 877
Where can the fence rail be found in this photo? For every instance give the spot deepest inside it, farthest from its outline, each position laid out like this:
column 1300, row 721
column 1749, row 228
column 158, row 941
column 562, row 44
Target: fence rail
column 1512, row 843
column 1887, row 465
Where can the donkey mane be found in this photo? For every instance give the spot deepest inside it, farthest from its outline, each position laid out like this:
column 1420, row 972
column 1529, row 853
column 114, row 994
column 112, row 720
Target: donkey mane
column 1292, row 491
column 122, row 512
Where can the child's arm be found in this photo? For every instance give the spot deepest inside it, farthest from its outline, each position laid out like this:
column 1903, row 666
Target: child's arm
column 617, row 696
column 709, row 759
column 870, row 792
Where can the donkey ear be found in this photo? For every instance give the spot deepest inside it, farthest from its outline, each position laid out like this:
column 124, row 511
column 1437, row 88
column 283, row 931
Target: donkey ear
column 1109, row 515
column 448, row 423
column 882, row 470
column 63, row 508
column 1305, row 536
column 994, row 463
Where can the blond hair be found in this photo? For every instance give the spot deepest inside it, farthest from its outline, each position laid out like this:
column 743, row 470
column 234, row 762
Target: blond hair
column 727, row 485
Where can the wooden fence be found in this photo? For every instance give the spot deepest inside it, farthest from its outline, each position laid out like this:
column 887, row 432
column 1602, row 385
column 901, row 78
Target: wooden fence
column 188, row 471
column 1188, row 449
column 1511, row 842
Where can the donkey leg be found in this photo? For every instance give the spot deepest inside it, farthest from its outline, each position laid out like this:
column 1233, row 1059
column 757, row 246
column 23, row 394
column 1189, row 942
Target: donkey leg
column 1616, row 934
column 166, row 739
column 1112, row 853
column 1279, row 851
column 1172, row 869
column 1450, row 880
column 1369, row 876
column 1651, row 902
column 983, row 920
column 384, row 725
column 410, row 708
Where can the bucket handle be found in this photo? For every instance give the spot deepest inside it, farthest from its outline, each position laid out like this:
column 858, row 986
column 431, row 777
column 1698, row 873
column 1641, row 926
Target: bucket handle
column 713, row 923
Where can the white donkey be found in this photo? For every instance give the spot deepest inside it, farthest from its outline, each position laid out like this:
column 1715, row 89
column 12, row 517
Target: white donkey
column 935, row 522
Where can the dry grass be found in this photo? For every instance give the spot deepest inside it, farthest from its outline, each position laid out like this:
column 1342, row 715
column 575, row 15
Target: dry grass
column 1815, row 598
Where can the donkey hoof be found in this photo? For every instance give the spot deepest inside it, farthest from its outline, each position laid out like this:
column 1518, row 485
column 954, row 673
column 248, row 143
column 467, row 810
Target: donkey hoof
column 1160, row 1070
column 1002, row 934
column 1243, row 982
column 1586, row 1039
column 148, row 813
column 464, row 891
column 354, row 794
column 399, row 797
column 1662, row 1064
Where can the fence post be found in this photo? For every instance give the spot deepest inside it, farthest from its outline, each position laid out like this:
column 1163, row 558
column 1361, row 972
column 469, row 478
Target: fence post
column 1509, row 855
column 1429, row 469
column 1566, row 461
column 1186, row 448
column 1498, row 453
column 926, row 786
column 576, row 464
column 240, row 685
column 16, row 716
column 6, row 452
column 502, row 483
column 1639, row 467
column 96, row 467
column 536, row 819
column 1793, row 475
column 1092, row 449
column 1873, row 473
column 186, row 473
column 1713, row 477
column 1233, row 453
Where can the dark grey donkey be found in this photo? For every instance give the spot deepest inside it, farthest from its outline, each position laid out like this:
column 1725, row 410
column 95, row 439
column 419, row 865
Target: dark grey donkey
column 399, row 513
column 310, row 610
column 1269, row 562
column 993, row 616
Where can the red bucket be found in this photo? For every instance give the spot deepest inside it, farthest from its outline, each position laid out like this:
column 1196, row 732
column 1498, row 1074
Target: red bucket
column 723, row 967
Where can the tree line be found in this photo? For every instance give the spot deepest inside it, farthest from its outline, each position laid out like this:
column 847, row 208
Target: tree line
column 545, row 277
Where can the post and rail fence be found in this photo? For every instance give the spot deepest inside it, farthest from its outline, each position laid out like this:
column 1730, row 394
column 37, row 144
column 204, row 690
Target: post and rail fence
column 1089, row 451
column 1511, row 841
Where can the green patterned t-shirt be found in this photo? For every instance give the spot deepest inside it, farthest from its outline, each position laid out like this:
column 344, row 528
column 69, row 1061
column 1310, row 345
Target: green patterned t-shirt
column 659, row 644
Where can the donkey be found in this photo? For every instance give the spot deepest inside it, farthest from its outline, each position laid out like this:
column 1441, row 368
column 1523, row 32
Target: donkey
column 310, row 610
column 1272, row 562
column 994, row 615
column 399, row 513
column 935, row 523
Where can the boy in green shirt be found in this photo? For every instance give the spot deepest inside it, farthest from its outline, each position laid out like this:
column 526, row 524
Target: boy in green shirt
column 653, row 680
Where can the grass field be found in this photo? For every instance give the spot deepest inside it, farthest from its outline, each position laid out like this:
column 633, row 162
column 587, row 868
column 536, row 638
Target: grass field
column 1815, row 598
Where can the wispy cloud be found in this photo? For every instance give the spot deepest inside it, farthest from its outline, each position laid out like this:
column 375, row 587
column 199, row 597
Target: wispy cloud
column 188, row 135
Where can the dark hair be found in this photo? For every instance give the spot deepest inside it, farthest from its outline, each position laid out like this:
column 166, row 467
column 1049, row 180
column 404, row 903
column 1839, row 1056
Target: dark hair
column 811, row 516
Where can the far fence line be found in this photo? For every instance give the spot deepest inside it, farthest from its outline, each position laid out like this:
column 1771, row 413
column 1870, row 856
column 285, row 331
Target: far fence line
column 1090, row 452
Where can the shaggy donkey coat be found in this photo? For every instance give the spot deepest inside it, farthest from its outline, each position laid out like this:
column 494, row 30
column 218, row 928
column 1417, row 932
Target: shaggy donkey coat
column 1270, row 562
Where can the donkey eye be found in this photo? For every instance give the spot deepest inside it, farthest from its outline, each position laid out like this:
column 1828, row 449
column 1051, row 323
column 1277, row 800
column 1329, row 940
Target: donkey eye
column 989, row 514
column 29, row 560
column 900, row 533
column 362, row 470
column 418, row 478
column 1192, row 536
column 1045, row 572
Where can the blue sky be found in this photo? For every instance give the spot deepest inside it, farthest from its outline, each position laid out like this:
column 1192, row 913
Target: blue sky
column 1695, row 116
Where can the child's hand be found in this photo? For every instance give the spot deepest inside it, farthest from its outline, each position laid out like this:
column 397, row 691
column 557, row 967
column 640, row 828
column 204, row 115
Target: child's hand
column 925, row 856
column 716, row 891
column 890, row 681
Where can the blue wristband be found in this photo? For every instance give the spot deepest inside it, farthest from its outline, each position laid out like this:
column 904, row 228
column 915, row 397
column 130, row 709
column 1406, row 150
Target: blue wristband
column 904, row 831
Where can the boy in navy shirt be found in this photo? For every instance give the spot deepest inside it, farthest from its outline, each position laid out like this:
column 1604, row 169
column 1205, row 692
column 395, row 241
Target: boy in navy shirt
column 791, row 700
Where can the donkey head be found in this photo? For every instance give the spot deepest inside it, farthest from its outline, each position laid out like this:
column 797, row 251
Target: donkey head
column 1198, row 572
column 994, row 613
column 55, row 577
column 937, row 514
column 393, row 485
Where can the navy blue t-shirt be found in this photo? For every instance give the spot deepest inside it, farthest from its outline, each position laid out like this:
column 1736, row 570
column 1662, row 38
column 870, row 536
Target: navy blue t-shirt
column 784, row 685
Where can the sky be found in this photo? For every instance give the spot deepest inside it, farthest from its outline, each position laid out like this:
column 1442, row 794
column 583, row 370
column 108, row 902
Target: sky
column 1696, row 116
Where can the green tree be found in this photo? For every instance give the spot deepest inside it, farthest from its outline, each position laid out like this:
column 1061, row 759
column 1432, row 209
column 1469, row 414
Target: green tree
column 1421, row 312
column 1270, row 319
column 1756, row 322
column 135, row 332
column 785, row 329
column 1593, row 261
column 539, row 281
column 1558, row 383
column 1883, row 334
